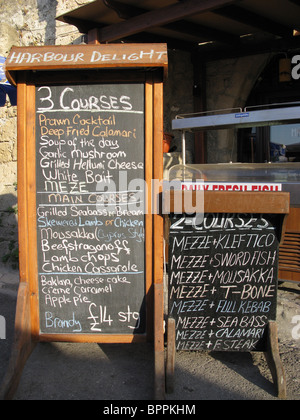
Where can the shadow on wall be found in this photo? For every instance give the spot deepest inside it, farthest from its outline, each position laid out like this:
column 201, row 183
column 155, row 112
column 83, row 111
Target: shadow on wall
column 9, row 251
column 47, row 13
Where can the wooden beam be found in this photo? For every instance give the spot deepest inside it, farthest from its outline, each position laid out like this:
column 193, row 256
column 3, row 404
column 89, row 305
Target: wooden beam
column 255, row 20
column 83, row 26
column 124, row 11
column 296, row 2
column 173, row 43
column 159, row 17
column 203, row 33
column 274, row 46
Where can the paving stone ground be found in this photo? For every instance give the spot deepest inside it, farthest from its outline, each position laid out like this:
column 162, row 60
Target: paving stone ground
column 64, row 371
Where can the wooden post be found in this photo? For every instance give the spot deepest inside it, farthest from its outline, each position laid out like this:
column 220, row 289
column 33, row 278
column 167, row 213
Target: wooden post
column 22, row 346
column 159, row 386
column 23, row 343
column 159, row 355
column 93, row 36
column 274, row 361
column 171, row 354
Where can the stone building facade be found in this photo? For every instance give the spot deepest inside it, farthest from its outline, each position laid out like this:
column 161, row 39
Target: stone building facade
column 32, row 22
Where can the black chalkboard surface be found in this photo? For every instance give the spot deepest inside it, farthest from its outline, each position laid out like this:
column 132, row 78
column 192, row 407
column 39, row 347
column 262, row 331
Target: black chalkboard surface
column 90, row 217
column 223, row 280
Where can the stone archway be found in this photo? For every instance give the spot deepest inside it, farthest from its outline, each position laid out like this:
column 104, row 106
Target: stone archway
column 229, row 83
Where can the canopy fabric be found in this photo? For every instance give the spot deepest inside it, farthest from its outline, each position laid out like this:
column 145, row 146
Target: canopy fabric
column 5, row 87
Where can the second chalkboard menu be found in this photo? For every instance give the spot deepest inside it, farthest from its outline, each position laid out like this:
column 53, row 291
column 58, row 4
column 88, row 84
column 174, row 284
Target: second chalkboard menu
column 223, row 280
column 90, row 160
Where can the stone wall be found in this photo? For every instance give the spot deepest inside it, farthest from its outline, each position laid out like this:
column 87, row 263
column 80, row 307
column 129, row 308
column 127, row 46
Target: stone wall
column 178, row 94
column 23, row 23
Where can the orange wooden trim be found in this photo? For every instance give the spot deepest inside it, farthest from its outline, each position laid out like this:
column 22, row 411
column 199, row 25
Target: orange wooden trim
column 31, row 206
column 288, row 274
column 293, row 222
column 227, row 202
column 158, row 175
column 22, row 178
column 159, row 357
column 77, row 57
column 148, row 216
column 93, row 338
column 93, row 37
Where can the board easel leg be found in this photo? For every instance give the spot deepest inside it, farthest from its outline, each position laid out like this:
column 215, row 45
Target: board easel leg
column 22, row 346
column 171, row 352
column 274, row 361
column 159, row 351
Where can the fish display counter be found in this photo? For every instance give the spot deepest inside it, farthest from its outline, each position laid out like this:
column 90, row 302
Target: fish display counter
column 269, row 177
column 266, row 177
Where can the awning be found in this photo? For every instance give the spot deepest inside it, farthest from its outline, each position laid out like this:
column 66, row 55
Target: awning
column 215, row 29
column 5, row 87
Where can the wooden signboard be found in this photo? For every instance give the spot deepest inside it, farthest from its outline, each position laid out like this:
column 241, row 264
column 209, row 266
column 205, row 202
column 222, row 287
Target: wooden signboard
column 223, row 280
column 223, row 273
column 87, row 270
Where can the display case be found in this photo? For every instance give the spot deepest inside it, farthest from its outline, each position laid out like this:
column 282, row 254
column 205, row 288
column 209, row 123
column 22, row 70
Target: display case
column 255, row 177
column 244, row 177
column 265, row 177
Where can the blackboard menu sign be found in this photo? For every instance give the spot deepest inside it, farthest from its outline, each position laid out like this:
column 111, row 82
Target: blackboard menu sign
column 90, row 152
column 223, row 280
column 90, row 124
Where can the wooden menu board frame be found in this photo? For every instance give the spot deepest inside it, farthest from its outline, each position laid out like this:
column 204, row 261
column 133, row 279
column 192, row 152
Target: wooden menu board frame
column 27, row 68
column 277, row 203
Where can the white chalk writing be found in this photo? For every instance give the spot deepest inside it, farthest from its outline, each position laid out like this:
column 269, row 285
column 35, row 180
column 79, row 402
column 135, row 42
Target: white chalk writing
column 90, row 241
column 222, row 280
